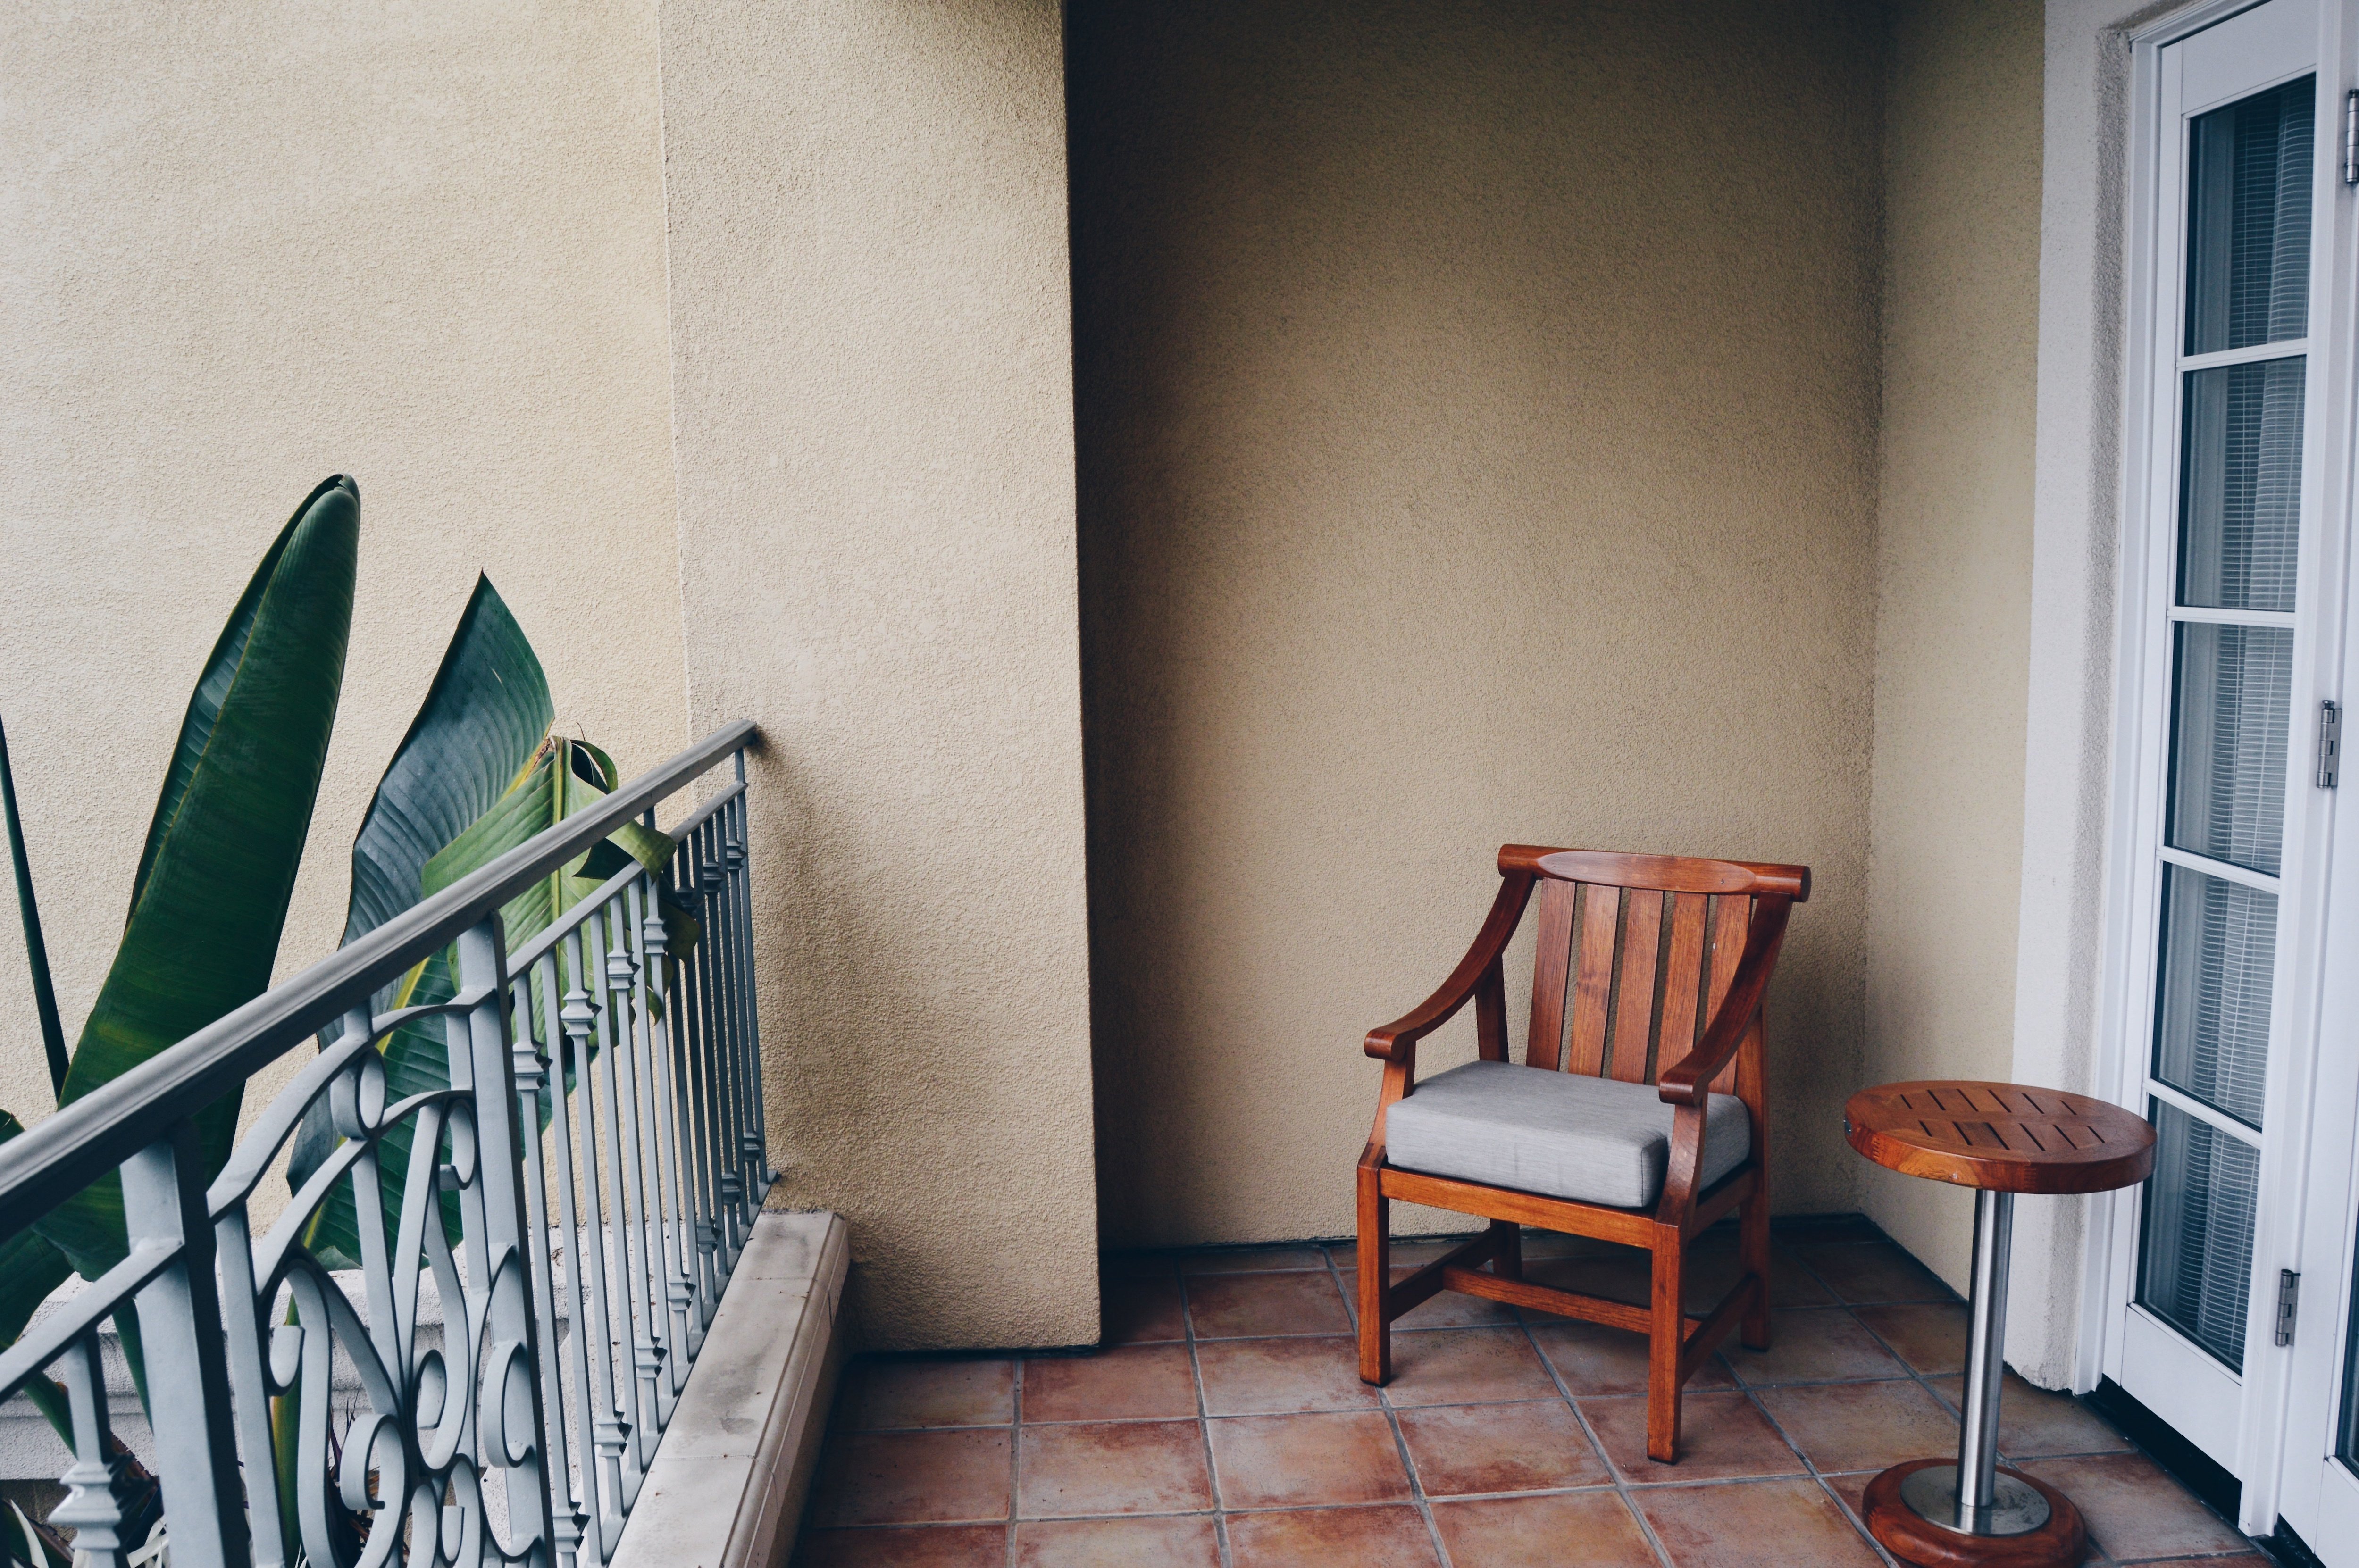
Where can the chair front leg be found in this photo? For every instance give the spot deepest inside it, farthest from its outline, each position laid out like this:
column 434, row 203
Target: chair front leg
column 1667, row 1322
column 1376, row 1275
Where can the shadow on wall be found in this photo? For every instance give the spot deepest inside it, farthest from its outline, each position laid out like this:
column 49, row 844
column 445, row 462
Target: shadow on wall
column 1476, row 417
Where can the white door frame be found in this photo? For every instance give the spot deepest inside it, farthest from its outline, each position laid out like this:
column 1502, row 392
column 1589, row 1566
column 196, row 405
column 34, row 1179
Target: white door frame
column 2130, row 889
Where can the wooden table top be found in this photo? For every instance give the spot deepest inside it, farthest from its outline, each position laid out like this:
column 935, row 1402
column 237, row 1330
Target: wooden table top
column 2009, row 1138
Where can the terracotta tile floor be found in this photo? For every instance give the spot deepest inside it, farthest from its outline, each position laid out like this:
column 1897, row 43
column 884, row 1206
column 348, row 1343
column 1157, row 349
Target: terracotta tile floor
column 1225, row 1425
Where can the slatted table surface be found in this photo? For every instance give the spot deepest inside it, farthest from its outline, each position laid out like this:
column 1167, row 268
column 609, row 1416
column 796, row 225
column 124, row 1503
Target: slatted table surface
column 2000, row 1137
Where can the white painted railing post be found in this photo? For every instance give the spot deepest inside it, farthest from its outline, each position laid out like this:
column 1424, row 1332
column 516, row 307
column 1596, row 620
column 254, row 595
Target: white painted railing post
column 186, row 1367
column 93, row 1505
column 505, row 1117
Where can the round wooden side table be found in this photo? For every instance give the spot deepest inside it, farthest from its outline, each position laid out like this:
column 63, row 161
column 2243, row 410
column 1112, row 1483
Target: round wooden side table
column 2000, row 1140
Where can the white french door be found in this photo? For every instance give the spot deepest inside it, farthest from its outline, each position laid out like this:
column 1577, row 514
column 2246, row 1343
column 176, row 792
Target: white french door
column 2319, row 1460
column 2233, row 588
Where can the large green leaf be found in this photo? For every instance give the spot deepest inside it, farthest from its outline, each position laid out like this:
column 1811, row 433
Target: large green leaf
column 476, row 775
column 28, row 915
column 480, row 728
column 210, row 900
column 29, row 1269
column 566, row 776
column 477, row 733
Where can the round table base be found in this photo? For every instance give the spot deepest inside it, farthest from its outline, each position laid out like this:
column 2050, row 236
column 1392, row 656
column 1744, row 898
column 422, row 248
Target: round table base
column 2014, row 1510
column 2060, row 1543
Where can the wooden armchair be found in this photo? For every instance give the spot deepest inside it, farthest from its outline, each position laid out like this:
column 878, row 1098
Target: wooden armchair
column 1650, row 943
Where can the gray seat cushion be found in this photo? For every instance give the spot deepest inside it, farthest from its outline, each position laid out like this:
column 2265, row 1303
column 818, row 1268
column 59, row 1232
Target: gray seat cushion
column 1564, row 1135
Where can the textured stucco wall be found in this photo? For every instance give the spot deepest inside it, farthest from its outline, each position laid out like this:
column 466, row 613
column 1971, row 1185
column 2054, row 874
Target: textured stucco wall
column 245, row 247
column 2062, row 1246
column 1954, row 568
column 1476, row 413
column 871, row 313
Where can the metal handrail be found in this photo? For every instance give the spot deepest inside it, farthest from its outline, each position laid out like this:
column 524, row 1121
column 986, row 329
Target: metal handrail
column 575, row 1189
column 59, row 1156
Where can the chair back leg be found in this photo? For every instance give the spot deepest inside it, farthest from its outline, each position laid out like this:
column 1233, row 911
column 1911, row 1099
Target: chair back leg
column 1753, row 1247
column 1376, row 1280
column 1665, row 1328
column 1506, row 1249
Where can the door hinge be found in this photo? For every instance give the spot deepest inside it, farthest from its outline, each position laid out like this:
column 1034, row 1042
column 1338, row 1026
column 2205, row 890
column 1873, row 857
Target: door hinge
column 2330, row 743
column 2289, row 1304
column 2350, row 138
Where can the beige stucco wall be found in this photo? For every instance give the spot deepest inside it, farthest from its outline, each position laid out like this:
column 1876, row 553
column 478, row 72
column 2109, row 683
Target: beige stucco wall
column 874, row 381
column 1953, row 567
column 1478, row 421
column 245, row 247
column 1477, row 416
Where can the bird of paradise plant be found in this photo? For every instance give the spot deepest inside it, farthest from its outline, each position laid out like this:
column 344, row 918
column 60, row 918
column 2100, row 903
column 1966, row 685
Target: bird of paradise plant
column 479, row 773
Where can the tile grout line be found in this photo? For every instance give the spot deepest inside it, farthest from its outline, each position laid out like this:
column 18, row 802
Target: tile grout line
column 1352, row 1307
column 1817, row 1475
column 1613, row 1475
column 1014, row 1451
column 1203, row 1424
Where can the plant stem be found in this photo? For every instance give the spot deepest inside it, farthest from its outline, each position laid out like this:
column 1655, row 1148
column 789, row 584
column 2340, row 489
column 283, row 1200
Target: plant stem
column 37, row 952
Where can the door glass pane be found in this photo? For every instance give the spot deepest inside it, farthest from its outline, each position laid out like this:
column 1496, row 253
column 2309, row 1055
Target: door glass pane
column 2196, row 1244
column 2219, row 959
column 2250, row 186
column 2234, row 688
column 2248, row 220
column 2346, row 1439
column 2240, row 507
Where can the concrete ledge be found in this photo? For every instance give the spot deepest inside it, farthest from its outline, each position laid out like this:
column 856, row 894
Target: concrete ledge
column 727, row 1485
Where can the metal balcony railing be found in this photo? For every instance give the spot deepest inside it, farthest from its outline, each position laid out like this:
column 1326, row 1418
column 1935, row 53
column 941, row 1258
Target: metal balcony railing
column 519, row 1428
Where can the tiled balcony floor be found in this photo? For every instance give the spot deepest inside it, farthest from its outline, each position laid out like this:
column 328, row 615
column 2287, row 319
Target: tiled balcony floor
column 1225, row 1424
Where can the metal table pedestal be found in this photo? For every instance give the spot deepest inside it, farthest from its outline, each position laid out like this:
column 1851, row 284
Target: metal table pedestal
column 1999, row 1139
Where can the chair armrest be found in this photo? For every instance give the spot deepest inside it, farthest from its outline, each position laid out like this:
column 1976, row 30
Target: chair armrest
column 1686, row 1081
column 1390, row 1043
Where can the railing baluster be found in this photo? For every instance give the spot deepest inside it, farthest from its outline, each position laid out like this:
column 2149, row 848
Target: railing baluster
column 241, row 1338
column 646, row 1120
column 713, row 876
column 679, row 1287
column 187, row 1368
column 715, row 1240
column 726, row 855
column 742, row 873
column 752, row 1159
column 500, row 1137
column 532, row 1077
column 655, row 1278
column 731, row 1199
column 687, row 1057
column 619, row 1220
column 93, row 1505
column 600, row 1508
column 613, row 1428
column 615, row 1029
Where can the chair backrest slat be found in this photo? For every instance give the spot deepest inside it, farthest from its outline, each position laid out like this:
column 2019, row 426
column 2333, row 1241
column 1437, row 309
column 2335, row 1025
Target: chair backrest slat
column 1731, row 916
column 1683, row 980
column 1634, row 1006
column 1592, row 980
column 1552, row 960
column 1635, row 953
